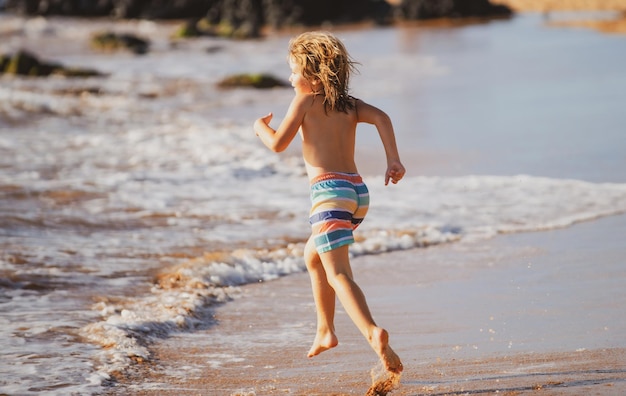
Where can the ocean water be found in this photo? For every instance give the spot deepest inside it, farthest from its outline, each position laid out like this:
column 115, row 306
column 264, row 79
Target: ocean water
column 130, row 203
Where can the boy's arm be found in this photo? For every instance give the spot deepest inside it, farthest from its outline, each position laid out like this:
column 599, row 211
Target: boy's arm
column 373, row 115
column 278, row 140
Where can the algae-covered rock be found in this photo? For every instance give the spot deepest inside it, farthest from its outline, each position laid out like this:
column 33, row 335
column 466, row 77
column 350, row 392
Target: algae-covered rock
column 203, row 27
column 26, row 64
column 261, row 81
column 4, row 61
column 77, row 72
column 189, row 29
column 109, row 41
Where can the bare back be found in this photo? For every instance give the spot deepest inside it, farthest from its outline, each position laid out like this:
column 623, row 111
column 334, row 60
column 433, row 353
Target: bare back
column 328, row 139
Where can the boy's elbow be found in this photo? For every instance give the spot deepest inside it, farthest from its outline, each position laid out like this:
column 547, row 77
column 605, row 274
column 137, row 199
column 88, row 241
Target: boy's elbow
column 378, row 118
column 277, row 147
column 382, row 118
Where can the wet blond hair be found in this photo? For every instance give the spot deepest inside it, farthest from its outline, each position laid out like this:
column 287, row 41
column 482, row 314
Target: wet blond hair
column 322, row 56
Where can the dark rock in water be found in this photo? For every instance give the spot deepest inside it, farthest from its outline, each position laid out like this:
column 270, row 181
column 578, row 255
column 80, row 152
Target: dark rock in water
column 160, row 9
column 109, row 41
column 315, row 12
column 76, row 72
column 26, row 64
column 203, row 27
column 4, row 61
column 245, row 18
column 428, row 9
column 156, row 9
column 189, row 29
column 252, row 81
column 236, row 18
column 61, row 7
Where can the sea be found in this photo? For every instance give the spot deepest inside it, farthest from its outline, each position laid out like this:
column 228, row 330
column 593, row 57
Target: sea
column 131, row 202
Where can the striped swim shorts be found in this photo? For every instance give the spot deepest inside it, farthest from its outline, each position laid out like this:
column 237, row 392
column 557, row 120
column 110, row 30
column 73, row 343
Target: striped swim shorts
column 339, row 202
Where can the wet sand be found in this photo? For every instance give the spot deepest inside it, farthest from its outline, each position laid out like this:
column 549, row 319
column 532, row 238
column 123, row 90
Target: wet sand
column 536, row 313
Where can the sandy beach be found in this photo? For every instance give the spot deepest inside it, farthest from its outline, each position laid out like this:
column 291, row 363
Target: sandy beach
column 563, row 5
column 521, row 314
column 615, row 25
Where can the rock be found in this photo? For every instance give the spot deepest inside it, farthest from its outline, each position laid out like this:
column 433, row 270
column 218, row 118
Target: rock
column 160, row 9
column 261, row 81
column 189, row 29
column 26, row 64
column 4, row 61
column 245, row 18
column 109, row 41
column 60, row 7
column 235, row 18
column 202, row 27
column 76, row 72
column 428, row 9
column 316, row 12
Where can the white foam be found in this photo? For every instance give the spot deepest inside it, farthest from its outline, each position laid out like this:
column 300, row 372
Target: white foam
column 471, row 207
column 482, row 206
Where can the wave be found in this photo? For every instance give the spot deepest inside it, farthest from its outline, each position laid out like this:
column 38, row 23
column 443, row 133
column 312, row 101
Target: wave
column 450, row 210
column 182, row 295
column 484, row 206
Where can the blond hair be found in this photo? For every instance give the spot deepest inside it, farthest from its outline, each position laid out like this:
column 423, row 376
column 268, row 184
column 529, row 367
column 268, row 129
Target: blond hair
column 322, row 56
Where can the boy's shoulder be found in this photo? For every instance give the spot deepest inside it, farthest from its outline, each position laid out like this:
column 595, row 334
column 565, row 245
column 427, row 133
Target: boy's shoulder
column 303, row 100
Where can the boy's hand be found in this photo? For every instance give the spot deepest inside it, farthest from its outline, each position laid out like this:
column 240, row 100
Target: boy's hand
column 395, row 172
column 263, row 120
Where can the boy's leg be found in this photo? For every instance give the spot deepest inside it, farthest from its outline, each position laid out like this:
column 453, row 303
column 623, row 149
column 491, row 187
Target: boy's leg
column 324, row 297
column 336, row 263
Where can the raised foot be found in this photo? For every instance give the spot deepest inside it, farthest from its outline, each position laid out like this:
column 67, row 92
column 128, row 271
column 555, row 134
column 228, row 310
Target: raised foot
column 389, row 359
column 323, row 343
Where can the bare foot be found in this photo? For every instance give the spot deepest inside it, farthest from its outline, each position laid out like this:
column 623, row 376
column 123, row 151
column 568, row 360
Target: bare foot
column 389, row 359
column 323, row 342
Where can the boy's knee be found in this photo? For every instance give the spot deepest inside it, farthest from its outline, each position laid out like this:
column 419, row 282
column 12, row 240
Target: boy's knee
column 311, row 257
column 313, row 264
column 338, row 279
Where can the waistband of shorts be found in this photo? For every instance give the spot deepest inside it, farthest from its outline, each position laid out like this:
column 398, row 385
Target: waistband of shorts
column 351, row 177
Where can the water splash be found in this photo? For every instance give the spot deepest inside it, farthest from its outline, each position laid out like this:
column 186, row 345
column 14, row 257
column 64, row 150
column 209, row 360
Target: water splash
column 383, row 381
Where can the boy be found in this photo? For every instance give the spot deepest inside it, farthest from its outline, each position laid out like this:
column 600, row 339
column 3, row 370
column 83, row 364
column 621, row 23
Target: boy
column 326, row 117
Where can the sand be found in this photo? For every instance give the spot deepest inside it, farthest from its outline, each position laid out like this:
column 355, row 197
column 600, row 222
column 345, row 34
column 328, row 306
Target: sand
column 615, row 25
column 554, row 5
column 535, row 313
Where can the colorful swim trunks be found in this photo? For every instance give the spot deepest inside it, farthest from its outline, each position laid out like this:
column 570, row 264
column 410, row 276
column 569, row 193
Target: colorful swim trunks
column 339, row 202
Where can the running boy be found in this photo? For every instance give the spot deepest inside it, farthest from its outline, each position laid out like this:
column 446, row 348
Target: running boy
column 326, row 117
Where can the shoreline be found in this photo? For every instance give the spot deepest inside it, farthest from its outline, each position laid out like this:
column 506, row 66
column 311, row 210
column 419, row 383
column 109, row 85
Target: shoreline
column 518, row 313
